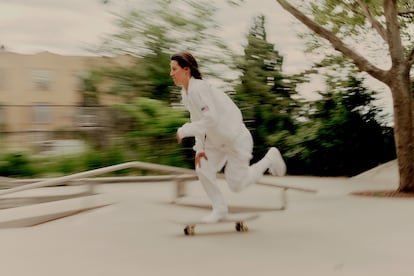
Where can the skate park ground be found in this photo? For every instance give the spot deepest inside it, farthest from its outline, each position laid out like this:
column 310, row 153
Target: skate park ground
column 325, row 232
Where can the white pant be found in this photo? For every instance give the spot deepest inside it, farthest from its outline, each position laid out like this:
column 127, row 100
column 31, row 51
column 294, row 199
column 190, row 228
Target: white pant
column 238, row 172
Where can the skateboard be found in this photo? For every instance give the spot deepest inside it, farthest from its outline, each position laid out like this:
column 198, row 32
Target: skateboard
column 237, row 219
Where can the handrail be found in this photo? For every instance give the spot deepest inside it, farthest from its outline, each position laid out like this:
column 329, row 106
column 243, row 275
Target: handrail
column 127, row 165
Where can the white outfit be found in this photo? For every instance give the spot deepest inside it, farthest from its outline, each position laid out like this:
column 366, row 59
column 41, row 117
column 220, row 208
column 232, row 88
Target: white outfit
column 219, row 131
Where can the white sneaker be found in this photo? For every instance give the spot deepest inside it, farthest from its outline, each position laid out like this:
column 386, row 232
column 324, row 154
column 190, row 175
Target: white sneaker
column 277, row 165
column 214, row 216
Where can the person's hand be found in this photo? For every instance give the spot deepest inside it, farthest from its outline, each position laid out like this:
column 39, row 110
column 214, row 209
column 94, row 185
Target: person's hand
column 198, row 158
column 179, row 139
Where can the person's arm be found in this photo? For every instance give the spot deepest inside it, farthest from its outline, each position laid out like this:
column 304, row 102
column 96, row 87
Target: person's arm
column 199, row 143
column 203, row 102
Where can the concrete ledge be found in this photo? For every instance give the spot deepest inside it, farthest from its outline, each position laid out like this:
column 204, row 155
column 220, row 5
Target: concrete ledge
column 14, row 202
column 32, row 215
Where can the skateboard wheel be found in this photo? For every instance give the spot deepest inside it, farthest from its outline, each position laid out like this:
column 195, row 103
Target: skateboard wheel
column 189, row 230
column 238, row 227
column 241, row 227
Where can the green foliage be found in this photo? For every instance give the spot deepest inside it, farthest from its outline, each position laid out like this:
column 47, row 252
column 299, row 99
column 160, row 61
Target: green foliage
column 343, row 136
column 152, row 34
column 67, row 166
column 99, row 159
column 152, row 118
column 360, row 23
column 90, row 160
column 152, row 132
column 406, row 8
column 90, row 95
column 16, row 164
column 264, row 94
column 333, row 14
column 47, row 166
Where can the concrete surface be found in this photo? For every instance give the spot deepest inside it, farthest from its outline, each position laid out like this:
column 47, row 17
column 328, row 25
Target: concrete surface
column 325, row 233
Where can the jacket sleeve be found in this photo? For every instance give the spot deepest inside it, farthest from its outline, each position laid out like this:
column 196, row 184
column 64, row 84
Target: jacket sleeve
column 199, row 144
column 203, row 102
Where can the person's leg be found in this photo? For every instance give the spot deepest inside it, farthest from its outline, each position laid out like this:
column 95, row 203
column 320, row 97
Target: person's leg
column 239, row 173
column 277, row 164
column 207, row 175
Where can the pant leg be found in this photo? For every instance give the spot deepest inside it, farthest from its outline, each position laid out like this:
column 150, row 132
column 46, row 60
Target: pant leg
column 207, row 174
column 239, row 174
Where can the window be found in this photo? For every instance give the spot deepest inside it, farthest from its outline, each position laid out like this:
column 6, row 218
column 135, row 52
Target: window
column 2, row 78
column 87, row 116
column 41, row 114
column 42, row 79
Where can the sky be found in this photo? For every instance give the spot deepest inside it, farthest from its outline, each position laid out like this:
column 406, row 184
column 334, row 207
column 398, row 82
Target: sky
column 70, row 27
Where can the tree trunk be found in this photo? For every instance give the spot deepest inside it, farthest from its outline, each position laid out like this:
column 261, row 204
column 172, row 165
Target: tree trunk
column 397, row 79
column 401, row 89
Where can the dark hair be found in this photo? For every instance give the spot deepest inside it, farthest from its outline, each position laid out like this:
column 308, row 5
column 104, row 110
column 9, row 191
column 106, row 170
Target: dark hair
column 185, row 59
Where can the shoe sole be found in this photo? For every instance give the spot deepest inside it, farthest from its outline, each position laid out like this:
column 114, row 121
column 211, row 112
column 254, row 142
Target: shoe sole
column 278, row 167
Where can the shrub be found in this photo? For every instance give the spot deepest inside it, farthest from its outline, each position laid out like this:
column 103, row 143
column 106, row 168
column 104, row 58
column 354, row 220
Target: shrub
column 16, row 164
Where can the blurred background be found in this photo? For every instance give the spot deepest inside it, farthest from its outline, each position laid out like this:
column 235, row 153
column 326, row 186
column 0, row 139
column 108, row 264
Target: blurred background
column 85, row 84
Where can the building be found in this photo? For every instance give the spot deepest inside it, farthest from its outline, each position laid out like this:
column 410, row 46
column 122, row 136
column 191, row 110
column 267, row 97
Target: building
column 41, row 95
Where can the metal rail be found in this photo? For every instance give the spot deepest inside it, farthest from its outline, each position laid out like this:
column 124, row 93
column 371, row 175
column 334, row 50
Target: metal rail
column 181, row 176
column 128, row 165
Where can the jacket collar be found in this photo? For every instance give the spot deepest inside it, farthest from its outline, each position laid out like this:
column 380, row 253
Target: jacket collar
column 190, row 82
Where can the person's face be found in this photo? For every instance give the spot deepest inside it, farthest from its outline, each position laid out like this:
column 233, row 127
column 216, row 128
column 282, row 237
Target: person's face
column 179, row 74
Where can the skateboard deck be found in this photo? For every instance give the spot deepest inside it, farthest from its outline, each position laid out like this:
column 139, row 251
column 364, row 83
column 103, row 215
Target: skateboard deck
column 237, row 219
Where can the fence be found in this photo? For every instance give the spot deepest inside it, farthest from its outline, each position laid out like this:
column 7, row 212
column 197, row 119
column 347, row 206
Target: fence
column 37, row 127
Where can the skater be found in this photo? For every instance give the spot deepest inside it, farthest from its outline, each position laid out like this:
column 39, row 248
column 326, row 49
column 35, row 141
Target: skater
column 221, row 138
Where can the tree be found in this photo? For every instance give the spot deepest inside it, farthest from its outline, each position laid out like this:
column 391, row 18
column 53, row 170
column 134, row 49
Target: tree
column 264, row 94
column 347, row 137
column 151, row 126
column 340, row 23
column 152, row 34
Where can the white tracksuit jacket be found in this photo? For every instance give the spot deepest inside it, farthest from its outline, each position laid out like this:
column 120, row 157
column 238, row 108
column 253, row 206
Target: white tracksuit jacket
column 213, row 115
column 219, row 131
